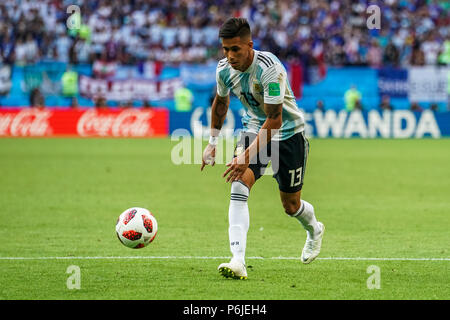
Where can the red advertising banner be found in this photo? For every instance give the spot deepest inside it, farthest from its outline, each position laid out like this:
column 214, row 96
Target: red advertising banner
column 35, row 122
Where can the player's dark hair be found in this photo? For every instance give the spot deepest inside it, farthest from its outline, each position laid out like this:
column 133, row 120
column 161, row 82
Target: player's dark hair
column 235, row 27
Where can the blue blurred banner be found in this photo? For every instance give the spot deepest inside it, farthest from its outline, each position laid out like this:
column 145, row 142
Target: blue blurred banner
column 393, row 82
column 428, row 84
column 329, row 124
column 199, row 77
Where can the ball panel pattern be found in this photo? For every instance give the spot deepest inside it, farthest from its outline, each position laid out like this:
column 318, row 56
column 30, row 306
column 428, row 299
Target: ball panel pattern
column 130, row 215
column 132, row 235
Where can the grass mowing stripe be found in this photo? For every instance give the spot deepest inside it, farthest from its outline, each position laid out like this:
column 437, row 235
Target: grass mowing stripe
column 214, row 258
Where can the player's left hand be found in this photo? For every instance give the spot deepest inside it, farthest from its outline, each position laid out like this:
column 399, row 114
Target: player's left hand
column 236, row 168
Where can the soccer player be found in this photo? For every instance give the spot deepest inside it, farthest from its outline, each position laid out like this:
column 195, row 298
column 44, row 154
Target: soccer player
column 273, row 130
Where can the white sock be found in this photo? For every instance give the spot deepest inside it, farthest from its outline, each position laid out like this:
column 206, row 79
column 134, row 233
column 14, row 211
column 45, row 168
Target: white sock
column 239, row 220
column 305, row 215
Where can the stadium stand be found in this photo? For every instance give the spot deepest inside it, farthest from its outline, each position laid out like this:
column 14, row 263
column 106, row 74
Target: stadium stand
column 318, row 34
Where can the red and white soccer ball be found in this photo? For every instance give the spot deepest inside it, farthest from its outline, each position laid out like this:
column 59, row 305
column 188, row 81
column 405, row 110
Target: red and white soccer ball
column 136, row 228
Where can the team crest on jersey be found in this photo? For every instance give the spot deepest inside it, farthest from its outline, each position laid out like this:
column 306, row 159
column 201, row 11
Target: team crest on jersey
column 256, row 86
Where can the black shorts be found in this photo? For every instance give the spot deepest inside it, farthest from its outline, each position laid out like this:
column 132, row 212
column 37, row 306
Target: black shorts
column 288, row 160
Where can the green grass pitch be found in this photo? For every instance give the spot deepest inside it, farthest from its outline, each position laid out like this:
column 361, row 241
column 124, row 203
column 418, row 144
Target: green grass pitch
column 383, row 199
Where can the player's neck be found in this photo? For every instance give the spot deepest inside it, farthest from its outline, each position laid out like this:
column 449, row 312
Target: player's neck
column 249, row 61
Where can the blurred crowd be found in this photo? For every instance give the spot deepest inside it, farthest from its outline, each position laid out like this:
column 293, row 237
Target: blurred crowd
column 335, row 32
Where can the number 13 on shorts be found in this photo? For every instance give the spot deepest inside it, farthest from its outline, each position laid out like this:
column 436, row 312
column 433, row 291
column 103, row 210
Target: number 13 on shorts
column 296, row 176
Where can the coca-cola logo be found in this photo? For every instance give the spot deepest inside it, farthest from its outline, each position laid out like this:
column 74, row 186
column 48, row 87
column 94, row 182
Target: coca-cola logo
column 127, row 123
column 27, row 122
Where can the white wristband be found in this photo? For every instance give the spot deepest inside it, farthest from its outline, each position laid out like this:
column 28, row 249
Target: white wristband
column 213, row 140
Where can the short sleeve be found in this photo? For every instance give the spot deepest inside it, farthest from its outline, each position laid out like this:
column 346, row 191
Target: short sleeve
column 222, row 90
column 274, row 80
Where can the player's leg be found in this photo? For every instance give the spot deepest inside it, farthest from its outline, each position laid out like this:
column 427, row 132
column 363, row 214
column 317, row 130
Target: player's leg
column 302, row 210
column 238, row 213
column 293, row 154
column 239, row 221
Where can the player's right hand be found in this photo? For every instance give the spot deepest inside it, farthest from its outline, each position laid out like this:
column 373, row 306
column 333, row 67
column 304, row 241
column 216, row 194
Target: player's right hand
column 209, row 156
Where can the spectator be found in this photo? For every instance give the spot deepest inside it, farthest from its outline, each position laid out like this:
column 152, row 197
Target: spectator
column 415, row 107
column 375, row 55
column 417, row 55
column 146, row 104
column 99, row 99
column 5, row 79
column 37, row 100
column 69, row 82
column 82, row 52
column 352, row 99
column 391, row 55
column 129, row 27
column 386, row 103
column 74, row 103
column 183, row 99
column 7, row 49
column 434, row 107
column 20, row 52
column 431, row 48
column 444, row 56
column 48, row 48
column 62, row 45
column 320, row 106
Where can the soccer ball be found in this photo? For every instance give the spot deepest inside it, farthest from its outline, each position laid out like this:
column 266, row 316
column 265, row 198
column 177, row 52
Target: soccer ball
column 136, row 228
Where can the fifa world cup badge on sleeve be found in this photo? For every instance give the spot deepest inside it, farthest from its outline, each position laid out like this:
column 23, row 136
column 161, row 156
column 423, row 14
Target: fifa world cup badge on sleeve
column 274, row 89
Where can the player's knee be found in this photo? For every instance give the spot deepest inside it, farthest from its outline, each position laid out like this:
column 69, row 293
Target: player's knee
column 291, row 206
column 239, row 190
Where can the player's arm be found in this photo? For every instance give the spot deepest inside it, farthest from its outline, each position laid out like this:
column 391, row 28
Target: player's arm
column 238, row 165
column 273, row 80
column 274, row 84
column 219, row 111
column 268, row 130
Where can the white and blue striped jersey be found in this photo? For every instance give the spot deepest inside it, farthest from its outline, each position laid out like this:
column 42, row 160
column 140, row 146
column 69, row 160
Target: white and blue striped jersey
column 265, row 81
